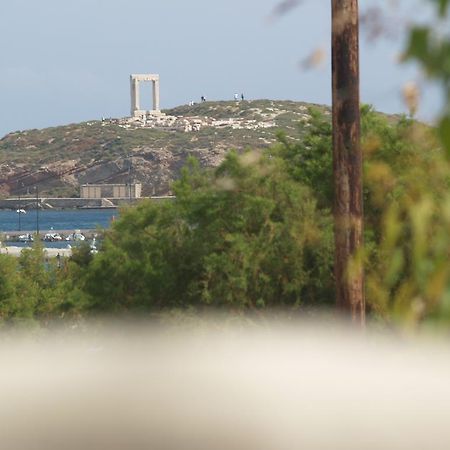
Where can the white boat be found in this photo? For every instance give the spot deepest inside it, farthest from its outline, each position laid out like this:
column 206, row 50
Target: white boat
column 25, row 238
column 21, row 211
column 76, row 236
column 51, row 237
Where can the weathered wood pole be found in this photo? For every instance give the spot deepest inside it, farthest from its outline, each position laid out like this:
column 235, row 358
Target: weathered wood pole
column 347, row 160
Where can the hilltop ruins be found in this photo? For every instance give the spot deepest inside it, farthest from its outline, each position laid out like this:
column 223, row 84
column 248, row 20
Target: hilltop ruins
column 155, row 118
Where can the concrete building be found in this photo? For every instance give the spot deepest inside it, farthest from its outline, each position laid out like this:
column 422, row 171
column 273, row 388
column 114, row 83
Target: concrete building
column 131, row 190
column 135, row 80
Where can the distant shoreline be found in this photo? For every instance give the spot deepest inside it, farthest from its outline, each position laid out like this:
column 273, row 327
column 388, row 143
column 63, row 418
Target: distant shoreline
column 50, row 252
column 71, row 203
column 89, row 233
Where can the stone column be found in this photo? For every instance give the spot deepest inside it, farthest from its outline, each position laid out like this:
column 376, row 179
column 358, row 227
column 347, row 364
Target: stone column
column 132, row 95
column 156, row 95
column 137, row 95
column 135, row 101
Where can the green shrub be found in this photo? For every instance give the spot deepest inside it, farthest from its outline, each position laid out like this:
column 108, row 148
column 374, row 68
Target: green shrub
column 243, row 237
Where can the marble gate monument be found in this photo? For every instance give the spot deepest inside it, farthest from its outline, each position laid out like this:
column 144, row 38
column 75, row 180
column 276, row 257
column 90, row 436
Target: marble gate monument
column 135, row 79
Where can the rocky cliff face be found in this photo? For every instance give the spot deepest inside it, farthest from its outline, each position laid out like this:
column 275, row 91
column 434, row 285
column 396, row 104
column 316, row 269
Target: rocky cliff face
column 149, row 150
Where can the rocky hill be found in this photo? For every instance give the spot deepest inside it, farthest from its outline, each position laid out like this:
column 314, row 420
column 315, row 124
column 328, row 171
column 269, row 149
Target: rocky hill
column 151, row 151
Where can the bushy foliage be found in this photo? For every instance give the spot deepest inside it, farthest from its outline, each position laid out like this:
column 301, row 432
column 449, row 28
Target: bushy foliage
column 8, row 283
column 406, row 204
column 30, row 286
column 245, row 236
column 310, row 161
column 408, row 277
column 408, row 274
column 392, row 148
column 430, row 47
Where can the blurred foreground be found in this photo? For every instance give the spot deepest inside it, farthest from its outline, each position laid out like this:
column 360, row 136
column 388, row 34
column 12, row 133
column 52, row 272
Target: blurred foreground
column 280, row 386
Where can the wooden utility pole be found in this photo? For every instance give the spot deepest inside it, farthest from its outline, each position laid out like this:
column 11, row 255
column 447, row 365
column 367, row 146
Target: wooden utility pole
column 347, row 160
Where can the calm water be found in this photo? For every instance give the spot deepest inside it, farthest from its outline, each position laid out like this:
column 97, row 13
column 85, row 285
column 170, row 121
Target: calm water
column 58, row 220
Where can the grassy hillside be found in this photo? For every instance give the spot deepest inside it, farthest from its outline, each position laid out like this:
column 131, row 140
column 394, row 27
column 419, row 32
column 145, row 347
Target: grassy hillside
column 59, row 159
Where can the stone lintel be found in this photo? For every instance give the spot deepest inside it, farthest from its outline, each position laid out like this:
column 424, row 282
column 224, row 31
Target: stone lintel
column 145, row 77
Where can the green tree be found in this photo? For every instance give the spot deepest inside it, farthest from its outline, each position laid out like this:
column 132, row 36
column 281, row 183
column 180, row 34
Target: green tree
column 39, row 284
column 71, row 273
column 430, row 47
column 9, row 298
column 243, row 237
column 406, row 181
column 310, row 161
column 408, row 279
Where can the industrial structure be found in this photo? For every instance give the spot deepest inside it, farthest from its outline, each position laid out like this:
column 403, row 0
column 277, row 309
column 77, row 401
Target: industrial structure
column 115, row 191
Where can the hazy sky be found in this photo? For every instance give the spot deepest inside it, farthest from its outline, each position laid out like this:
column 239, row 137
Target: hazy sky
column 68, row 61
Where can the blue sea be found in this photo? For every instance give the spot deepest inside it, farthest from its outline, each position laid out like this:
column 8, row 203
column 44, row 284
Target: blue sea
column 56, row 220
column 69, row 219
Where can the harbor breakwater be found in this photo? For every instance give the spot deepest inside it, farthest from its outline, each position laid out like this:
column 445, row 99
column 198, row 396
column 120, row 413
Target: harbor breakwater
column 71, row 203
